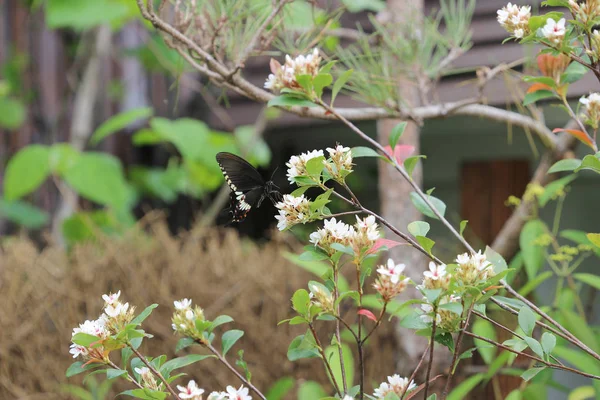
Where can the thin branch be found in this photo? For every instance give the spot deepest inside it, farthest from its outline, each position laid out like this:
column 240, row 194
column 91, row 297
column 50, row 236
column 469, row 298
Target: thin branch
column 454, row 362
column 324, row 357
column 546, row 363
column 377, row 323
column 154, row 371
column 338, row 337
column 431, row 348
column 416, row 370
column 129, row 377
column 235, row 371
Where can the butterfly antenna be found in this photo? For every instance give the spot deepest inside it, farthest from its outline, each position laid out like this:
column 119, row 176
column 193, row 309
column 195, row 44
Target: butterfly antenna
column 273, row 174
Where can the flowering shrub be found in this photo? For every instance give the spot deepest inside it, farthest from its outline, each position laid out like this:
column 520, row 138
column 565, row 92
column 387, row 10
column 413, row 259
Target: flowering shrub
column 450, row 294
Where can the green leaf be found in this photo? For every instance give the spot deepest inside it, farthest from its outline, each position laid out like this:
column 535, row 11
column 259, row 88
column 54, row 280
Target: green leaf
column 594, row 238
column 554, row 188
column 181, row 362
column 310, row 390
column 590, row 279
column 531, row 373
column 418, row 228
column 454, row 307
column 229, row 338
column 432, row 294
column 280, row 388
column 396, row 133
column 461, row 391
column 333, row 355
column 99, row 178
column 146, row 394
column 424, row 208
column 580, row 328
column 573, row 73
column 302, row 347
column 314, row 166
column 12, row 113
column 183, row 343
column 548, row 342
column 496, row 259
column 61, row 157
column 220, row 320
column 538, row 21
column 583, row 393
column 113, row 373
column 546, row 80
column 144, row 314
column 533, row 255
column 362, row 151
column 320, row 82
column 79, row 367
column 426, row 243
column 535, row 346
column 26, row 171
column 463, row 225
column 23, row 214
column 589, row 162
column 355, row 6
column 84, row 339
column 411, row 162
column 301, row 301
column 526, row 320
column 569, row 164
column 533, row 97
column 118, row 122
column 313, row 256
column 290, row 101
column 514, row 395
column 531, row 285
column 80, row 15
column 339, row 84
column 485, row 329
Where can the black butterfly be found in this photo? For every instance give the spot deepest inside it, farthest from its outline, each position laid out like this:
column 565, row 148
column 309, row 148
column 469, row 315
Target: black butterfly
column 248, row 188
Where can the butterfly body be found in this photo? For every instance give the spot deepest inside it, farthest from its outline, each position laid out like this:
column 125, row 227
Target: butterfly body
column 248, row 188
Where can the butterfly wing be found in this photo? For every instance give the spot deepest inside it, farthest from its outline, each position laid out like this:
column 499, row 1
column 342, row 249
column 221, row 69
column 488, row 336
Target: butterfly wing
column 242, row 203
column 240, row 175
column 246, row 184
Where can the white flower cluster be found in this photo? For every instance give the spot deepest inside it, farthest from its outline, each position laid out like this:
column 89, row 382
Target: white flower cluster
column 185, row 317
column 473, row 268
column 339, row 164
column 231, row 393
column 390, row 281
column 361, row 236
column 444, row 318
column 321, row 298
column 554, row 31
column 585, row 12
column 515, row 19
column 395, row 384
column 115, row 315
column 436, row 278
column 147, row 378
column 284, row 76
column 191, row 391
column 297, row 164
column 591, row 104
column 292, row 211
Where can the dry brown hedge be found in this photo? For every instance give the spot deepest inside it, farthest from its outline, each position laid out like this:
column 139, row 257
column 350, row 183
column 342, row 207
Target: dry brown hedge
column 45, row 293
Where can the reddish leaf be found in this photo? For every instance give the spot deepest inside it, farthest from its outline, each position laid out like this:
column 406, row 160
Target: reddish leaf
column 578, row 134
column 274, row 65
column 367, row 314
column 401, row 152
column 379, row 243
column 538, row 86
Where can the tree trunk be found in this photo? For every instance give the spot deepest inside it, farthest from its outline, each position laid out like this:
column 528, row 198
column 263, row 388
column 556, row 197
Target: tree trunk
column 397, row 207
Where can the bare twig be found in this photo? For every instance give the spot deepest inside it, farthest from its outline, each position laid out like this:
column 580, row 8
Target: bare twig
column 546, row 363
column 416, row 370
column 465, row 326
column 431, row 348
column 154, row 371
column 235, row 371
column 324, row 357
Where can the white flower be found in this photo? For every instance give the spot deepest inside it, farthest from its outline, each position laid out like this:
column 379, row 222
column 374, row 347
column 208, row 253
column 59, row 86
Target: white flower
column 111, row 298
column 114, row 310
column 191, row 391
column 341, row 158
column 435, row 271
column 189, row 314
column 383, row 390
column 95, row 328
column 472, row 268
column 142, row 371
column 297, row 164
column 292, row 210
column 182, row 304
column 284, row 76
column 554, row 31
column 218, row 396
column 238, row 394
column 392, row 270
column 348, row 397
column 333, row 231
column 368, row 226
column 592, row 101
column 399, row 384
column 515, row 19
column 77, row 350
